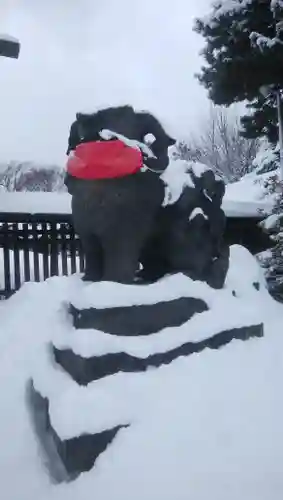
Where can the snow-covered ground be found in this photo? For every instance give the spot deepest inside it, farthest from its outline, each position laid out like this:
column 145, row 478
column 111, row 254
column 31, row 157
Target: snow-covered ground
column 205, row 427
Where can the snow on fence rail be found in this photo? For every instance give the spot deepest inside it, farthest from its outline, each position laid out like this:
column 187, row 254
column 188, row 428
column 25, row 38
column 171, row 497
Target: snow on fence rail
column 238, row 201
column 36, row 247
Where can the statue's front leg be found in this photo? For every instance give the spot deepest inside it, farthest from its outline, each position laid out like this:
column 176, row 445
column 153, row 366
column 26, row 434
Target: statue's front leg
column 93, row 254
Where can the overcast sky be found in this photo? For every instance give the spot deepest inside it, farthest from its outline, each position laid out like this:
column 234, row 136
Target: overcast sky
column 79, row 54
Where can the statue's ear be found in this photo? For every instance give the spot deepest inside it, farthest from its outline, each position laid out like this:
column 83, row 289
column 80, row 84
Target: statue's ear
column 81, row 117
column 79, row 126
column 171, row 141
column 150, row 125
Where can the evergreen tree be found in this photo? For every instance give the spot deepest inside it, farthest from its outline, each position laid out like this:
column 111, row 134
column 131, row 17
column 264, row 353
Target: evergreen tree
column 244, row 62
column 274, row 225
column 262, row 121
column 235, row 70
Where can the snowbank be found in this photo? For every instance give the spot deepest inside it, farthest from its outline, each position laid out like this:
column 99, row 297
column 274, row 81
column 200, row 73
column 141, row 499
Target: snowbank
column 60, row 203
column 250, row 193
column 242, row 199
column 207, row 426
column 247, row 197
column 35, row 203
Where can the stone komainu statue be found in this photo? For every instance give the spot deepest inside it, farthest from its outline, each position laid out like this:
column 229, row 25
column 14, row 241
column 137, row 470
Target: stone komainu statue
column 114, row 202
column 118, row 207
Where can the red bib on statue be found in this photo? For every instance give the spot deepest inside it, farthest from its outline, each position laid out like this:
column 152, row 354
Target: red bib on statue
column 104, row 160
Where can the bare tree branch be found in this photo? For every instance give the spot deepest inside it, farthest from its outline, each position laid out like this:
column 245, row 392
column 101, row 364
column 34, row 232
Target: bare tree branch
column 221, row 146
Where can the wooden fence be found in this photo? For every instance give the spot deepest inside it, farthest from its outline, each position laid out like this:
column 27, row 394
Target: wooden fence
column 35, row 247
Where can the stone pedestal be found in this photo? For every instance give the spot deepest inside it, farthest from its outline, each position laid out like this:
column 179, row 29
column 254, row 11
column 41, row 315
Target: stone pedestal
column 143, row 323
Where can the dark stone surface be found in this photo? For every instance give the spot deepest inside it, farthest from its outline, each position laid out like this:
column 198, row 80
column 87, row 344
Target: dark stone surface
column 189, row 235
column 247, row 232
column 113, row 218
column 48, row 440
column 218, row 268
column 65, row 459
column 80, row 453
column 138, row 320
column 85, row 370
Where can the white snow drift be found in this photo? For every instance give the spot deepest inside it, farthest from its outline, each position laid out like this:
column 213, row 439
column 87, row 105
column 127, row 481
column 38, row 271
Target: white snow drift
column 206, row 426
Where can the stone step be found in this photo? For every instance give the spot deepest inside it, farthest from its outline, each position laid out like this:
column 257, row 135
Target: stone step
column 138, row 320
column 66, row 459
column 85, row 370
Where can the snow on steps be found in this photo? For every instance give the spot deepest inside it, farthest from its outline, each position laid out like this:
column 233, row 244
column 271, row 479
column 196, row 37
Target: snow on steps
column 205, row 425
column 91, row 383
